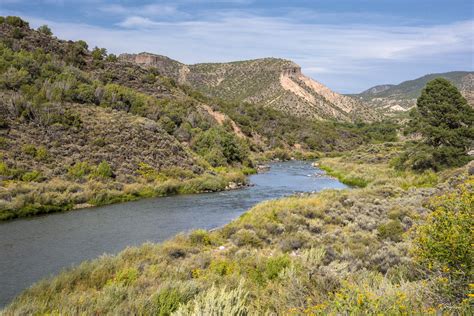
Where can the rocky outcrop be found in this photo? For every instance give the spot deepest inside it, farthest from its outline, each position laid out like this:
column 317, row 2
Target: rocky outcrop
column 165, row 65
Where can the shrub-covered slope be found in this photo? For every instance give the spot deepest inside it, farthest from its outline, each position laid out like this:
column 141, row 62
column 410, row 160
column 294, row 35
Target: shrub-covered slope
column 268, row 82
column 403, row 96
column 362, row 251
column 66, row 107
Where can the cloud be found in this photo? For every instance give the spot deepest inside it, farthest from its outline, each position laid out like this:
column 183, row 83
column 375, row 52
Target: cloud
column 137, row 22
column 360, row 54
column 144, row 10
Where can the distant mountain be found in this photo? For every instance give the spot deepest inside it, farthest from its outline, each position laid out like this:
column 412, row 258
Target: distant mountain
column 269, row 82
column 403, row 96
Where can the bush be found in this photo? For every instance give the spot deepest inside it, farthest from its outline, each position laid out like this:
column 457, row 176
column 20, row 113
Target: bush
column 31, row 176
column 274, row 266
column 127, row 276
column 217, row 301
column 167, row 300
column 99, row 53
column 79, row 170
column 200, row 237
column 444, row 243
column 392, row 230
column 41, row 153
column 246, row 237
column 44, row 29
column 16, row 21
column 103, row 170
column 29, row 149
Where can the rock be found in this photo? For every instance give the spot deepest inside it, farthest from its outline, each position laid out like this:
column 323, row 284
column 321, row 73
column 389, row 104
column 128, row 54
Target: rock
column 232, row 186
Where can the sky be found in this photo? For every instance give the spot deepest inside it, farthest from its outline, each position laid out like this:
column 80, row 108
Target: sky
column 349, row 45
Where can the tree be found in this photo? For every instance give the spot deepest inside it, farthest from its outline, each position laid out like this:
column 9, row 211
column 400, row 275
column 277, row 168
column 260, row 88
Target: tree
column 446, row 122
column 99, row 53
column 44, row 29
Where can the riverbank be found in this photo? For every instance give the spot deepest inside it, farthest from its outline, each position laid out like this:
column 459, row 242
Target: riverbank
column 335, row 252
column 27, row 199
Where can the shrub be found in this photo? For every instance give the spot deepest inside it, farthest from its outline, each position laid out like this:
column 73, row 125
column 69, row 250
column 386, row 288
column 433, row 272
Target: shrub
column 127, row 276
column 167, row 300
column 444, row 243
column 200, row 237
column 246, row 237
column 31, row 176
column 4, row 170
column 217, row 301
column 14, row 78
column 41, row 153
column 79, row 170
column 274, row 266
column 392, row 230
column 44, row 29
column 99, row 53
column 103, row 170
column 29, row 149
column 16, row 21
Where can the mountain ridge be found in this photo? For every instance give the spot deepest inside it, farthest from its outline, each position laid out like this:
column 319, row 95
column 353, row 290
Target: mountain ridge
column 402, row 96
column 269, row 82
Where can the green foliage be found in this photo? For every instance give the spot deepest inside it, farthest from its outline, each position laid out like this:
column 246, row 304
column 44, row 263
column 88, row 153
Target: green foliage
column 200, row 237
column 168, row 124
column 14, row 78
column 392, row 230
column 446, row 122
column 345, row 178
column 16, row 21
column 80, row 170
column 41, row 154
column 44, row 29
column 103, row 170
column 217, row 301
column 99, row 53
column 220, row 147
column 111, row 58
column 274, row 266
column 32, row 176
column 246, row 237
column 127, row 276
column 29, row 149
column 167, row 300
column 444, row 244
column 4, row 170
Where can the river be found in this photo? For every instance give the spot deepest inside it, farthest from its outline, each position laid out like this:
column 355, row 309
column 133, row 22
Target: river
column 38, row 247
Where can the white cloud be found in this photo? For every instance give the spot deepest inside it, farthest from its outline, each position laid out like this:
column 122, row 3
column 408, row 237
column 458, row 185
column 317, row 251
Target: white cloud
column 144, row 10
column 323, row 50
column 137, row 22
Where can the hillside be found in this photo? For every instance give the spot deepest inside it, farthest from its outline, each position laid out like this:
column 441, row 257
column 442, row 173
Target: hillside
column 80, row 127
column 402, row 97
column 268, row 82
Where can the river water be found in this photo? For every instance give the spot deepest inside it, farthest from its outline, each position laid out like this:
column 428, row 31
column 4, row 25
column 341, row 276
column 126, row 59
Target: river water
column 32, row 249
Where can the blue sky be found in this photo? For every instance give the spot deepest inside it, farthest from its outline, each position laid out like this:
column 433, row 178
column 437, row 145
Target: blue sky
column 347, row 45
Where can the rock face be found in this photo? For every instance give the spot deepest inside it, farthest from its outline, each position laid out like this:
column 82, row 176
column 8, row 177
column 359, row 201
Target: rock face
column 402, row 97
column 269, row 82
column 165, row 65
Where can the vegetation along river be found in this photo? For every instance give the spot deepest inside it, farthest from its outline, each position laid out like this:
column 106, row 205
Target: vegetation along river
column 32, row 249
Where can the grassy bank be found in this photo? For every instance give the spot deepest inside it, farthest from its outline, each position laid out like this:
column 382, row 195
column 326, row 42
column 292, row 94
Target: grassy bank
column 22, row 199
column 337, row 252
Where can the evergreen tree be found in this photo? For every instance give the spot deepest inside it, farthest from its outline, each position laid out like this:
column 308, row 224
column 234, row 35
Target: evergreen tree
column 446, row 122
